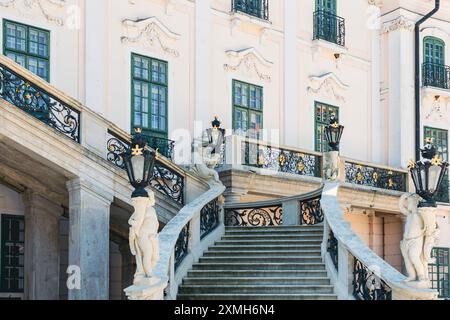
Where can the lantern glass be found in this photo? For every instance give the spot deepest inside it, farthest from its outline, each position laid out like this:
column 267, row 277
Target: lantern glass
column 433, row 178
column 138, row 163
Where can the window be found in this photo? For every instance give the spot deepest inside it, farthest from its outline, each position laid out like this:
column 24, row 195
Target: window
column 440, row 140
column 439, row 272
column 434, row 50
column 28, row 46
column 323, row 113
column 327, row 25
column 12, row 253
column 256, row 8
column 149, row 96
column 326, row 5
column 435, row 72
column 248, row 102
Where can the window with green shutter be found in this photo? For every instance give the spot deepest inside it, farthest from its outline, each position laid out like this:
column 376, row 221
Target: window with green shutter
column 440, row 273
column 12, row 254
column 28, row 46
column 440, row 140
column 323, row 113
column 434, row 50
column 248, row 105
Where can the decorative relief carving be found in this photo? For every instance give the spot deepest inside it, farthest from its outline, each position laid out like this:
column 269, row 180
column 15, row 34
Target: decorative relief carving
column 250, row 60
column 399, row 23
column 151, row 30
column 329, row 85
column 30, row 4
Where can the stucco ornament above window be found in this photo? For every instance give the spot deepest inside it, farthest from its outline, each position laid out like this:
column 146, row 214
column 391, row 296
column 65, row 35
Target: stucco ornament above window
column 328, row 85
column 42, row 5
column 250, row 61
column 152, row 31
column 397, row 24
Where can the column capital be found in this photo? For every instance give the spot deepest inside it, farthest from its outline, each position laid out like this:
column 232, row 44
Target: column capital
column 36, row 201
column 96, row 190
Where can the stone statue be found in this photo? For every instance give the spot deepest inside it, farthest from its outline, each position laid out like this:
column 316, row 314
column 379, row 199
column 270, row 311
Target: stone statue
column 421, row 233
column 144, row 242
column 331, row 162
column 208, row 151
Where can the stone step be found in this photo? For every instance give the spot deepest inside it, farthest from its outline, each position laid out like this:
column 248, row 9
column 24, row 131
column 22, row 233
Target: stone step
column 267, row 259
column 276, row 229
column 256, row 297
column 217, row 280
column 257, row 273
column 267, row 242
column 214, row 252
column 277, row 232
column 258, row 266
column 224, row 246
column 257, row 237
column 256, row 289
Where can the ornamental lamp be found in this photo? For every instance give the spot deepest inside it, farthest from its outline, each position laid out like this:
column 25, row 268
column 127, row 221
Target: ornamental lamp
column 333, row 133
column 139, row 162
column 428, row 175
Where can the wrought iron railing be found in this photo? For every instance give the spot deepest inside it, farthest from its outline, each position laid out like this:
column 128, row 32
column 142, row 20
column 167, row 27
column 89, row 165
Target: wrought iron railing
column 367, row 285
column 264, row 156
column 182, row 246
column 333, row 250
column 164, row 146
column 39, row 103
column 270, row 213
column 329, row 27
column 436, row 75
column 256, row 8
column 377, row 177
column 165, row 179
column 209, row 218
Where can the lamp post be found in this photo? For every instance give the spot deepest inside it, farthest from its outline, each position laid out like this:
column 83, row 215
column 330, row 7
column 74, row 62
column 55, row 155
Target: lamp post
column 331, row 161
column 143, row 235
column 421, row 229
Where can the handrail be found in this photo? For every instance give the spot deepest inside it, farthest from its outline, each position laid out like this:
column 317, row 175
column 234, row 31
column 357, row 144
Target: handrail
column 165, row 268
column 350, row 242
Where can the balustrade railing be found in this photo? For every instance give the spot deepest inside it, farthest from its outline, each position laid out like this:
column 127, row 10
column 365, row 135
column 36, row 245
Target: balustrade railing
column 165, row 179
column 164, row 146
column 256, row 8
column 182, row 246
column 209, row 218
column 436, row 75
column 40, row 103
column 367, row 285
column 333, row 249
column 329, row 27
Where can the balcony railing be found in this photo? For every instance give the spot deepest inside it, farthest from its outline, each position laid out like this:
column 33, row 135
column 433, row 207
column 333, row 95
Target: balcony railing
column 38, row 102
column 256, row 8
column 164, row 146
column 436, row 75
column 329, row 27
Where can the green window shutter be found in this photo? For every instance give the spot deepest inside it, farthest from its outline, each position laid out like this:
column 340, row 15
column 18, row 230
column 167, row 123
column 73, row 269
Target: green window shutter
column 440, row 273
column 323, row 113
column 248, row 105
column 440, row 140
column 434, row 50
column 12, row 253
column 327, row 5
column 28, row 46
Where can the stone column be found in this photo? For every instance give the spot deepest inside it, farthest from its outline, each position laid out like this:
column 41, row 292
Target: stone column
column 89, row 212
column 41, row 247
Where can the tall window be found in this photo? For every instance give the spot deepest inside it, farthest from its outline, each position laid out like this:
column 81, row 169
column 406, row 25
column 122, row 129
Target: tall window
column 257, row 8
column 440, row 140
column 248, row 103
column 440, row 273
column 323, row 113
column 28, row 46
column 149, row 95
column 434, row 50
column 12, row 254
column 326, row 5
column 435, row 72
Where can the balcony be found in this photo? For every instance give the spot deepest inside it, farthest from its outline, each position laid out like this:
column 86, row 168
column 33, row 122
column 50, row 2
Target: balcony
column 329, row 27
column 255, row 8
column 436, row 75
column 164, row 146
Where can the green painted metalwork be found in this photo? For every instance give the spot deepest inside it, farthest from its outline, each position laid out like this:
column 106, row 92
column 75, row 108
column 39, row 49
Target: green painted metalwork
column 323, row 113
column 440, row 272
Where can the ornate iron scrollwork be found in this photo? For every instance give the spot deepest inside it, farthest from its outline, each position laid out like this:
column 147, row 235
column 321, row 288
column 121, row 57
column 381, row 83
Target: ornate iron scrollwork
column 267, row 157
column 254, row 217
column 367, row 285
column 182, row 246
column 165, row 180
column 375, row 177
column 209, row 218
column 333, row 250
column 39, row 103
column 311, row 212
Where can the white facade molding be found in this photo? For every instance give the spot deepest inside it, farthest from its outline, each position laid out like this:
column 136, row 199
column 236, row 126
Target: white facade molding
column 328, row 84
column 400, row 23
column 249, row 60
column 41, row 5
column 151, row 30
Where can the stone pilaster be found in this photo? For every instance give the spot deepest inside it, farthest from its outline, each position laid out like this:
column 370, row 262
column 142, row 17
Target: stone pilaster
column 89, row 212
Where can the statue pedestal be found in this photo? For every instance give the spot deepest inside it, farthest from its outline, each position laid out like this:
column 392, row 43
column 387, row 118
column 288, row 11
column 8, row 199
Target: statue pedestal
column 147, row 289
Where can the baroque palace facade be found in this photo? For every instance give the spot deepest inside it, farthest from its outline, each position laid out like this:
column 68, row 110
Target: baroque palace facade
column 77, row 76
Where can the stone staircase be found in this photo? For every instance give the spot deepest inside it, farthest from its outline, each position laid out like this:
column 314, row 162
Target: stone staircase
column 266, row 263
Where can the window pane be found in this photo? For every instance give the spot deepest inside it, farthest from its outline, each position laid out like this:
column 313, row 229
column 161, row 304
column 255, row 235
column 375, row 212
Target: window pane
column 12, row 251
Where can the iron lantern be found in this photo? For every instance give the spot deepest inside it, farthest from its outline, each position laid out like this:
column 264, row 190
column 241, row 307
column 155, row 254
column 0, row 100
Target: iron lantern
column 333, row 133
column 428, row 175
column 139, row 162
